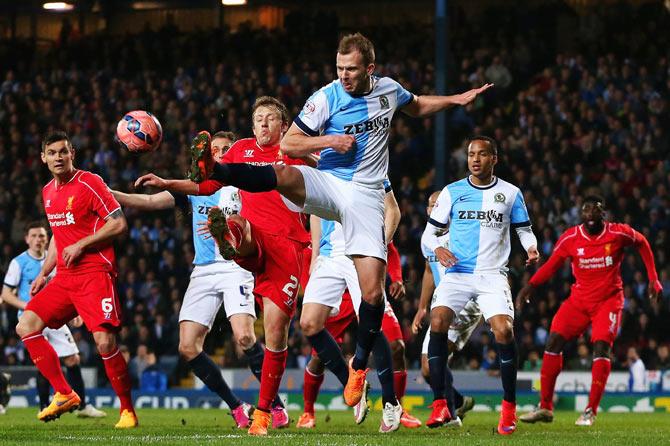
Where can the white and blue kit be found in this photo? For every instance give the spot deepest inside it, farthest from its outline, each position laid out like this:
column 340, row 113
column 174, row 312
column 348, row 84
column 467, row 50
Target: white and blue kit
column 214, row 280
column 348, row 188
column 479, row 220
column 468, row 319
column 334, row 272
column 23, row 269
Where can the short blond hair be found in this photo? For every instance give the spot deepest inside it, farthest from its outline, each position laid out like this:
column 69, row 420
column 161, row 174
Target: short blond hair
column 272, row 103
column 358, row 42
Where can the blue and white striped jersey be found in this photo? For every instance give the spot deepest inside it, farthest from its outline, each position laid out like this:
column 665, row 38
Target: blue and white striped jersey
column 479, row 220
column 22, row 270
column 228, row 200
column 333, row 111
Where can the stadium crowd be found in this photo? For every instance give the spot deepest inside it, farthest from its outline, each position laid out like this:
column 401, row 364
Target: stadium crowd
column 568, row 124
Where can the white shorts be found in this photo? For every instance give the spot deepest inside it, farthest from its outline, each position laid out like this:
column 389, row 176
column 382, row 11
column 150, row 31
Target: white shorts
column 330, row 278
column 61, row 340
column 359, row 209
column 205, row 294
column 461, row 329
column 490, row 291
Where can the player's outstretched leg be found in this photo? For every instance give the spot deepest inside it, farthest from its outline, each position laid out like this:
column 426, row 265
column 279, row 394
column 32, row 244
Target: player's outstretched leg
column 552, row 363
column 225, row 239
column 46, row 360
column 77, row 380
column 202, row 161
column 116, row 369
column 313, row 378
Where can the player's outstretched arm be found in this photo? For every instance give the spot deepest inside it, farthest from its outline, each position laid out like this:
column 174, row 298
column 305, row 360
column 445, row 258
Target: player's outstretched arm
column 643, row 247
column 186, row 187
column 427, row 290
column 115, row 225
column 297, row 143
column 427, row 105
column 145, row 202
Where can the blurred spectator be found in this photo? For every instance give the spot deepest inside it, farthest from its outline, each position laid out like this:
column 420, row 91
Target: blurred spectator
column 638, row 372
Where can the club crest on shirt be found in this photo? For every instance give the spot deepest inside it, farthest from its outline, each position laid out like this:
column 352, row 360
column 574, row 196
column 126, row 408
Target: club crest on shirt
column 69, row 203
column 309, row 107
column 499, row 198
column 384, row 102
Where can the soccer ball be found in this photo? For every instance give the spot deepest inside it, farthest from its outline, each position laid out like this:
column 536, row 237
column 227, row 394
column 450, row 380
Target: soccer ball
column 139, row 131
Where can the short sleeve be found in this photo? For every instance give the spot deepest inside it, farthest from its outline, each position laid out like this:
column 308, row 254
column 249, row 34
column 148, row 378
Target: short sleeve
column 519, row 215
column 314, row 115
column 441, row 213
column 102, row 200
column 387, row 186
column 181, row 201
column 13, row 276
column 403, row 96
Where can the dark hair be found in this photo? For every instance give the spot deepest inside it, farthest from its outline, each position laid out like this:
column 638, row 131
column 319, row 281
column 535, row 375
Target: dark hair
column 228, row 135
column 270, row 102
column 33, row 225
column 358, row 42
column 493, row 144
column 55, row 136
column 594, row 199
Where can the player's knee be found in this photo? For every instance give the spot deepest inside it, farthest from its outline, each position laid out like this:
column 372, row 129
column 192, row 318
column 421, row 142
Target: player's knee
column 188, row 350
column 555, row 343
column 503, row 330
column 373, row 296
column 71, row 361
column 309, row 326
column 27, row 326
column 245, row 340
column 438, row 323
column 601, row 349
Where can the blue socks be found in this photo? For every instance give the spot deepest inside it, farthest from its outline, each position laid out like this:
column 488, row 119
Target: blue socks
column 369, row 327
column 508, row 367
column 330, row 354
column 246, row 176
column 210, row 374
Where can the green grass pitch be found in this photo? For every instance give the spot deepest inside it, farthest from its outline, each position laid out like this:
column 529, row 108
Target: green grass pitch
column 211, row 426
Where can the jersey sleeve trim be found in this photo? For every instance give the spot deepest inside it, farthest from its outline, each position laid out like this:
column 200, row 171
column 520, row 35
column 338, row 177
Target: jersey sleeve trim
column 437, row 223
column 304, row 127
column 522, row 224
column 107, row 216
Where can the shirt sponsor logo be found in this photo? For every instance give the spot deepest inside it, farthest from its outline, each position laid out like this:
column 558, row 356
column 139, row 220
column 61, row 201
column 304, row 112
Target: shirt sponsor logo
column 489, row 219
column 378, row 125
column 61, row 219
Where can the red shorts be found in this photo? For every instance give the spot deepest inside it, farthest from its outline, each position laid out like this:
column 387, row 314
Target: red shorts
column 306, row 261
column 90, row 295
column 574, row 317
column 390, row 325
column 277, row 267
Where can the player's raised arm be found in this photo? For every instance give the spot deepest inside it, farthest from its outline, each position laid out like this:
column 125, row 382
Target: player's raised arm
column 297, row 144
column 643, row 247
column 427, row 290
column 145, row 202
column 427, row 105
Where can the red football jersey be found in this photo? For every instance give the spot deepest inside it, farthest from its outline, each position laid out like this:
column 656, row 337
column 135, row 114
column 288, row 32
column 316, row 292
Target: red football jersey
column 76, row 210
column 266, row 210
column 596, row 260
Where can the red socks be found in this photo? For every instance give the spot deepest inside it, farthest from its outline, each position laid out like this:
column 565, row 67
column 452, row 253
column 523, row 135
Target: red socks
column 552, row 363
column 117, row 372
column 274, row 364
column 312, row 384
column 600, row 371
column 46, row 360
column 400, row 383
